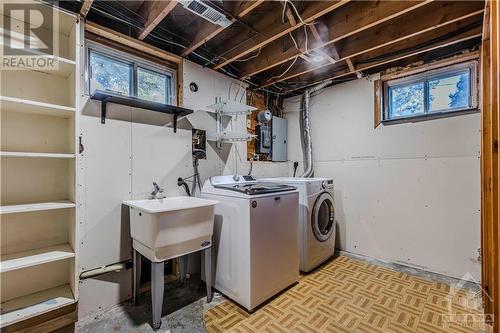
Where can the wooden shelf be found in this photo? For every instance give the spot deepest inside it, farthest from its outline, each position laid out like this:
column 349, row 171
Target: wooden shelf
column 108, row 97
column 19, row 260
column 36, row 207
column 34, row 155
column 35, row 304
column 13, row 104
column 62, row 67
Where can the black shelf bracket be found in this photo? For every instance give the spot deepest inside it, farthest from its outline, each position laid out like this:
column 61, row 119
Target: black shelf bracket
column 107, row 97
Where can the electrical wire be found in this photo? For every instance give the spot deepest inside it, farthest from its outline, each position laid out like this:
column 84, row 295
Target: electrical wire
column 297, row 12
column 249, row 58
column 119, row 16
column 286, row 71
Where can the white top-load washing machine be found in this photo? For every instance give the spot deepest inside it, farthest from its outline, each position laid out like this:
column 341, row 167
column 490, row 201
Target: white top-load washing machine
column 316, row 218
column 255, row 240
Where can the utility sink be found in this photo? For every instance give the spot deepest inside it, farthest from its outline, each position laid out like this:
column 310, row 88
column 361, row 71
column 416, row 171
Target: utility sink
column 167, row 228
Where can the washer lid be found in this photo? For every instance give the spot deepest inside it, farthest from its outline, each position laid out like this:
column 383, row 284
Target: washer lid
column 256, row 188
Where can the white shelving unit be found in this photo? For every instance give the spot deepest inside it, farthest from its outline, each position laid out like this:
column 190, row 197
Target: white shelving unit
column 228, row 108
column 38, row 149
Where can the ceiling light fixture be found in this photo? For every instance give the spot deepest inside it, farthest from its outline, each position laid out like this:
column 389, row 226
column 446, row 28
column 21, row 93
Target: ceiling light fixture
column 318, row 58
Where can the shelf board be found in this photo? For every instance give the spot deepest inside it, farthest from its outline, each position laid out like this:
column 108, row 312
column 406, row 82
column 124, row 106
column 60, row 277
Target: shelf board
column 62, row 67
column 13, row 104
column 109, row 97
column 229, row 107
column 25, row 259
column 35, row 304
column 35, row 207
column 34, row 155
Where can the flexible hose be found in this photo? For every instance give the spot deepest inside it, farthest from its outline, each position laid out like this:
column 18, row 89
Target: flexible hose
column 306, row 129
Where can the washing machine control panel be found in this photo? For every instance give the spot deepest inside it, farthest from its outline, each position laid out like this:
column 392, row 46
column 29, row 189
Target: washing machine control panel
column 327, row 184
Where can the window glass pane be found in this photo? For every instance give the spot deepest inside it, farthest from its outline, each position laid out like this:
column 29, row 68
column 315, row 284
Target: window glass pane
column 406, row 100
column 153, row 86
column 110, row 74
column 450, row 91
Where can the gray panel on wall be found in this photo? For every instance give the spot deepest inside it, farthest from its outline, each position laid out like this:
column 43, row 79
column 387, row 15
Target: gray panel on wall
column 279, row 130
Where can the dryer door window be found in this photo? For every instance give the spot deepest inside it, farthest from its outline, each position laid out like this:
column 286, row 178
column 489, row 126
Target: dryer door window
column 323, row 217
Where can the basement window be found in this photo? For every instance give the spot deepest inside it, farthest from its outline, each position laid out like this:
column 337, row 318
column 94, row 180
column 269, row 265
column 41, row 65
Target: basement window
column 120, row 73
column 441, row 92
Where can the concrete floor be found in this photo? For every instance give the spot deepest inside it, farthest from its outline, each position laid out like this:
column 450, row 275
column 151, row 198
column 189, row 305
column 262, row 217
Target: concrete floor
column 183, row 308
column 184, row 305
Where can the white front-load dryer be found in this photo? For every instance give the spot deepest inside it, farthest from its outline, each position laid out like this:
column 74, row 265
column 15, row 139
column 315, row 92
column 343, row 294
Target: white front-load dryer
column 317, row 225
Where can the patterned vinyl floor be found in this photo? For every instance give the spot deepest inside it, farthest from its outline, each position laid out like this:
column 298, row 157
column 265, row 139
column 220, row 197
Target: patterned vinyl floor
column 347, row 295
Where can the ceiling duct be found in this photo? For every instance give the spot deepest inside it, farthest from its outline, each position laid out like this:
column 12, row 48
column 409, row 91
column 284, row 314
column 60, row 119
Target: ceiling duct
column 205, row 11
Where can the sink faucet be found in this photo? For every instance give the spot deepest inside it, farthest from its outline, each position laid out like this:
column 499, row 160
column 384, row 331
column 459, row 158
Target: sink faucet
column 157, row 192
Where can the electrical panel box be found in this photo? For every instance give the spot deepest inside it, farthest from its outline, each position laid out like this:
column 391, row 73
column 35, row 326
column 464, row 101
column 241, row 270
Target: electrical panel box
column 279, row 139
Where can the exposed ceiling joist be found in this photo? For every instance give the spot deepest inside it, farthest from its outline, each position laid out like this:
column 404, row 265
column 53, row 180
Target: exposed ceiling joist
column 312, row 11
column 154, row 12
column 398, row 30
column 346, row 21
column 85, row 7
column 314, row 79
column 208, row 30
column 131, row 42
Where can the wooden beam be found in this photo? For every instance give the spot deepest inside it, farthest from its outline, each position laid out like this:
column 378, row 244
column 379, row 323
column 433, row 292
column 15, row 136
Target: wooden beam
column 247, row 6
column 208, row 30
column 312, row 11
column 290, row 17
column 154, row 12
column 396, row 31
column 405, row 45
column 345, row 21
column 336, row 74
column 85, row 7
column 350, row 65
column 490, row 164
column 131, row 42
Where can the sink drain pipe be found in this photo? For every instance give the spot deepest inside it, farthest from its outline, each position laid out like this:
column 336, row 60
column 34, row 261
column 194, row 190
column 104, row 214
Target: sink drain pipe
column 106, row 269
column 305, row 128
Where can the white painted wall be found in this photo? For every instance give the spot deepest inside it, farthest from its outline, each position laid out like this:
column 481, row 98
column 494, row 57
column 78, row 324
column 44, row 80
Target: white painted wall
column 121, row 160
column 406, row 193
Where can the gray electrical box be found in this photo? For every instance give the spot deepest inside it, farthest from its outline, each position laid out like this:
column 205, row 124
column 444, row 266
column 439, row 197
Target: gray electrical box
column 279, row 133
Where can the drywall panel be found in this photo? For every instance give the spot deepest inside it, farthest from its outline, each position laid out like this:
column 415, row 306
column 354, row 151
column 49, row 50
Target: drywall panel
column 103, row 292
column 106, row 183
column 161, row 156
column 406, row 193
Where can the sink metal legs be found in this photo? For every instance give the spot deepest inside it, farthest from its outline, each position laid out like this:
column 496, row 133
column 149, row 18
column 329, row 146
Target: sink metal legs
column 183, row 263
column 157, row 289
column 208, row 272
column 137, row 275
column 158, row 281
